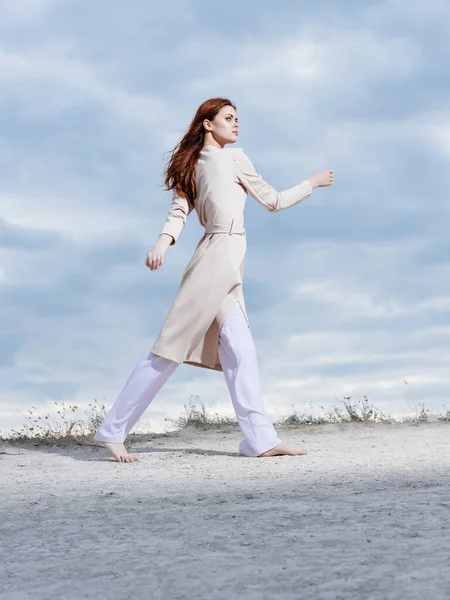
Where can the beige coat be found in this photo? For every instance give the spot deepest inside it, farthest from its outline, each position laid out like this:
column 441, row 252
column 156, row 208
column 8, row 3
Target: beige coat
column 212, row 281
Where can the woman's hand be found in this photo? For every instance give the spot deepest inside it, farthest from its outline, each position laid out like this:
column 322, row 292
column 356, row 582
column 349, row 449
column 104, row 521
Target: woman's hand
column 322, row 178
column 155, row 258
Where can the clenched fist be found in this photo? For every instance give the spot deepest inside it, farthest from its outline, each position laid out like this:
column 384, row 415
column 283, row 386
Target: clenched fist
column 322, row 178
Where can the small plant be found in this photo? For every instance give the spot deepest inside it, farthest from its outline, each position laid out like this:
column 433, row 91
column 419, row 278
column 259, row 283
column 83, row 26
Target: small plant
column 445, row 416
column 63, row 428
column 360, row 411
column 420, row 416
column 303, row 417
column 199, row 417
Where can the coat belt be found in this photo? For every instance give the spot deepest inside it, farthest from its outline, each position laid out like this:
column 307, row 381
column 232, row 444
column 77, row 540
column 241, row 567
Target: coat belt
column 224, row 228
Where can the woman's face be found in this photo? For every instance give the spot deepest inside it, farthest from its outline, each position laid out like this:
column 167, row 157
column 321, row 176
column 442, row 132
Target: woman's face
column 224, row 127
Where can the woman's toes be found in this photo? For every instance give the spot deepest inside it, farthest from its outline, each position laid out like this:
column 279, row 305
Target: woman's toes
column 284, row 448
column 119, row 452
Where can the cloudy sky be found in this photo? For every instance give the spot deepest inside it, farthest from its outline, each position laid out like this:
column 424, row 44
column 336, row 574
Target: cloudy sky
column 348, row 293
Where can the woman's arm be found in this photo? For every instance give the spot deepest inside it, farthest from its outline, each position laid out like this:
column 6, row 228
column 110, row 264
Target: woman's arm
column 176, row 217
column 264, row 193
column 175, row 221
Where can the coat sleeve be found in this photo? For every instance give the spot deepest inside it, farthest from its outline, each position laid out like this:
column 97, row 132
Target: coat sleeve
column 264, row 193
column 176, row 217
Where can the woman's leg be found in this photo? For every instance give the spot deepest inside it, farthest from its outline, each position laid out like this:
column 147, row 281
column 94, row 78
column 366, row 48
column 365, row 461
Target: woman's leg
column 144, row 383
column 237, row 355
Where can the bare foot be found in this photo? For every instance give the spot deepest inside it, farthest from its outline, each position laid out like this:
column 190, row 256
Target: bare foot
column 284, row 448
column 119, row 452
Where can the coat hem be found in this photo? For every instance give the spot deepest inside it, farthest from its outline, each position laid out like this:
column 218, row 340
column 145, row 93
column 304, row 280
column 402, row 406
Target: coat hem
column 194, row 363
column 166, row 355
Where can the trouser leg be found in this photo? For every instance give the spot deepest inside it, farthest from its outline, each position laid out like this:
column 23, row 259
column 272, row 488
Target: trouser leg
column 237, row 355
column 144, row 383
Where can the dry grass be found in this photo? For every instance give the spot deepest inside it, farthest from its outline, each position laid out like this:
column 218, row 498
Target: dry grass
column 359, row 411
column 69, row 428
column 197, row 415
column 65, row 427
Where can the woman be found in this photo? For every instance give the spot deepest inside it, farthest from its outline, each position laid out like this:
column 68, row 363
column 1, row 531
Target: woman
column 207, row 325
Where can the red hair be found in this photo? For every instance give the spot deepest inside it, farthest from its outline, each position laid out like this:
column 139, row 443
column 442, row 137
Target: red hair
column 180, row 170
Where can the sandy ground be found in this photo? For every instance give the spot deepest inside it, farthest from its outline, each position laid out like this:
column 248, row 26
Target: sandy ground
column 366, row 514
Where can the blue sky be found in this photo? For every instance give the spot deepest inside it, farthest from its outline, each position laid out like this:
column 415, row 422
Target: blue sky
column 347, row 293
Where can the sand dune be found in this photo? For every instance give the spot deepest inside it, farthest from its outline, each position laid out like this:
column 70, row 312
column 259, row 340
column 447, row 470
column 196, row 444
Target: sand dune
column 366, row 514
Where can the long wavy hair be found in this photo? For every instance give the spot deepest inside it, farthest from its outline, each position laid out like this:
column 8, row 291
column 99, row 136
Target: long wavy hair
column 180, row 170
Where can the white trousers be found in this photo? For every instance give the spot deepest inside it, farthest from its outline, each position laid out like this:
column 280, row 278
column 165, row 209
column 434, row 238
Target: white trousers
column 237, row 355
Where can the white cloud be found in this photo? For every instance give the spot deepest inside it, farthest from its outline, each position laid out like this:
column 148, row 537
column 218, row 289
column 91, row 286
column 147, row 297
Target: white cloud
column 24, row 9
column 435, row 129
column 356, row 304
column 77, row 82
column 80, row 219
column 341, row 62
